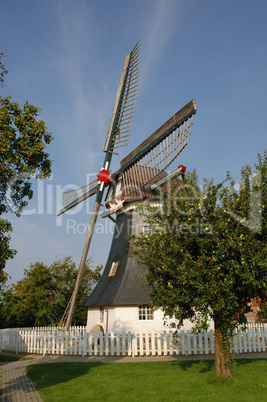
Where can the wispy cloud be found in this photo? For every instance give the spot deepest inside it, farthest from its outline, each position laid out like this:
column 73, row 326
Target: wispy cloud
column 76, row 65
column 159, row 27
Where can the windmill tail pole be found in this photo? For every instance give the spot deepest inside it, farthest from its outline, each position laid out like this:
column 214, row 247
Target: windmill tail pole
column 82, row 264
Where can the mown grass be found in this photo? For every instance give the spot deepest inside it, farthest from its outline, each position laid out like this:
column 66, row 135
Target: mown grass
column 152, row 381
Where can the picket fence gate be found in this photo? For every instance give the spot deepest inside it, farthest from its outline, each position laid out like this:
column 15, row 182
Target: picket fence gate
column 76, row 341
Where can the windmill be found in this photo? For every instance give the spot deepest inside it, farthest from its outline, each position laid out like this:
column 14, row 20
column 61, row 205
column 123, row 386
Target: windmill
column 142, row 168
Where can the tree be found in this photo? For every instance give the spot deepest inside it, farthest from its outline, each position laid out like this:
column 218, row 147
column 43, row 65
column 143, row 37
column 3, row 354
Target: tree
column 3, row 71
column 23, row 139
column 40, row 298
column 206, row 255
column 29, row 302
column 64, row 273
column 262, row 314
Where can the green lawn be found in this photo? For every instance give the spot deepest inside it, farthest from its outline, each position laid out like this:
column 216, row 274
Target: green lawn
column 153, row 381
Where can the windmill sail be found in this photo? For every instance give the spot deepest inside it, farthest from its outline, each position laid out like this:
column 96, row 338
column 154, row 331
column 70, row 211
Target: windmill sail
column 158, row 151
column 73, row 197
column 124, row 107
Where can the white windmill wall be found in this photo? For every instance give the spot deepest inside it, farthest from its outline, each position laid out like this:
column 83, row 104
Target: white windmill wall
column 123, row 318
column 126, row 318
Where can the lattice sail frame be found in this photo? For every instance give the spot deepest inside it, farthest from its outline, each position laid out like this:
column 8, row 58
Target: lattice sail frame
column 73, row 197
column 157, row 159
column 124, row 107
column 128, row 103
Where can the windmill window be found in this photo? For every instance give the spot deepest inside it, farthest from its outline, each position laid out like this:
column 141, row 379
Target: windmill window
column 101, row 316
column 146, row 229
column 146, row 313
column 113, row 268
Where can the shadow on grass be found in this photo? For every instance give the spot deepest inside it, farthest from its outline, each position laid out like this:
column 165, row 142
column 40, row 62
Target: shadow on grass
column 50, row 374
column 202, row 366
column 13, row 358
column 242, row 361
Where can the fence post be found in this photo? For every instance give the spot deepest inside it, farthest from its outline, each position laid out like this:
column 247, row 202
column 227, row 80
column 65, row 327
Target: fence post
column 129, row 344
column 140, row 341
column 240, row 341
column 178, row 342
column 254, row 340
column 66, row 342
column 84, row 343
column 57, row 342
column 79, row 342
column 21, row 340
column 211, row 336
column 62, row 342
column 188, row 343
column 147, row 348
column 95, row 343
column 235, row 341
column 184, row 352
column 263, row 339
column 44, row 345
column 153, row 346
column 194, row 343
column 170, row 343
column 123, row 343
column 206, row 339
column 90, row 341
column 106, row 343
column 258, row 338
column 134, row 345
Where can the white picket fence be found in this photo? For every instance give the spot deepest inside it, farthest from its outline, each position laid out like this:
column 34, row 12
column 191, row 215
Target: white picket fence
column 76, row 341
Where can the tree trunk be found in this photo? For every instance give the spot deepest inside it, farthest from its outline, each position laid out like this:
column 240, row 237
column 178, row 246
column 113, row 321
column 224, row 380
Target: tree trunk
column 222, row 355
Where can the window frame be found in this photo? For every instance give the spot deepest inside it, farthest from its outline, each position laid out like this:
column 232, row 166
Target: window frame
column 101, row 315
column 114, row 268
column 145, row 313
column 147, row 229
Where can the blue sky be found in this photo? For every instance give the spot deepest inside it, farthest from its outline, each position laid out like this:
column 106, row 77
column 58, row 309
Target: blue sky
column 66, row 58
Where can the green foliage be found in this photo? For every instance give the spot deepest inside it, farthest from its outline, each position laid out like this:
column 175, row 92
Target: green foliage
column 206, row 255
column 3, row 71
column 41, row 297
column 5, row 251
column 262, row 314
column 23, row 139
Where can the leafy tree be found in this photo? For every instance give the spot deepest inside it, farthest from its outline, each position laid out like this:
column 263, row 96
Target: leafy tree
column 3, row 71
column 40, row 298
column 29, row 301
column 262, row 314
column 23, row 139
column 65, row 273
column 206, row 255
